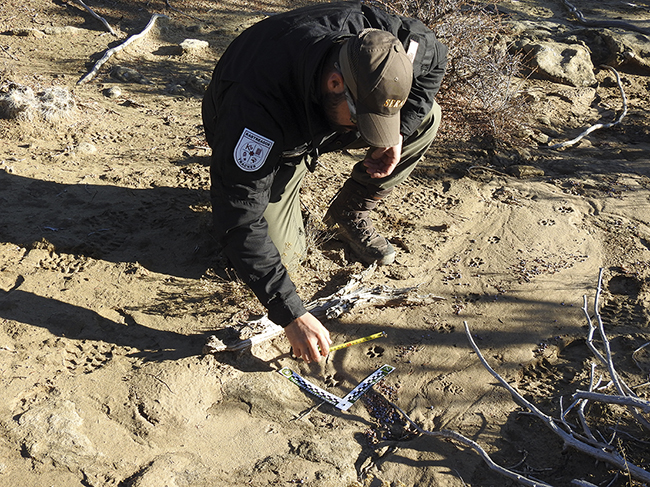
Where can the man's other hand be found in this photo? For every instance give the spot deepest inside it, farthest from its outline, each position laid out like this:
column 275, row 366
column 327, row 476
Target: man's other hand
column 381, row 162
column 306, row 334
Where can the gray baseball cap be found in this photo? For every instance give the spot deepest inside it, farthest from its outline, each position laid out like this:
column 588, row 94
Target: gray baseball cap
column 378, row 74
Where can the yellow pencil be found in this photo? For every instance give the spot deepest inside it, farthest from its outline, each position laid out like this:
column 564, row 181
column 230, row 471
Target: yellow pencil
column 357, row 341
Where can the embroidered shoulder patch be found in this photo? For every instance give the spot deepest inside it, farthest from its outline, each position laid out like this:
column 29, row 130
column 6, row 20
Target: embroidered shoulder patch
column 252, row 150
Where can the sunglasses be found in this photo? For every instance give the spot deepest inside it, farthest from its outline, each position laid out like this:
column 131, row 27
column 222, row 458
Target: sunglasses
column 351, row 106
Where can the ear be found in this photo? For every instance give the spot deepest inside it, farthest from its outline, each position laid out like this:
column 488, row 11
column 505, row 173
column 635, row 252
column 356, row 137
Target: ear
column 334, row 83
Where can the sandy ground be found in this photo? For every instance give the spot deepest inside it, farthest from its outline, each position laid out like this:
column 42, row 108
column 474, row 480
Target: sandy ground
column 109, row 282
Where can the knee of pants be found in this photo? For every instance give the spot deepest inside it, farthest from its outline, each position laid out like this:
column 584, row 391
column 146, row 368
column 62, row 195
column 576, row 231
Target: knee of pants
column 428, row 129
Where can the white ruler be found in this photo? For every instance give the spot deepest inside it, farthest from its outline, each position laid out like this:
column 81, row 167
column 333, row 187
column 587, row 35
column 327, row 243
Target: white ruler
column 343, row 403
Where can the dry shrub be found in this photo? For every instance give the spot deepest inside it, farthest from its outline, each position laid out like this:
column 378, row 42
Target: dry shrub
column 19, row 102
column 480, row 91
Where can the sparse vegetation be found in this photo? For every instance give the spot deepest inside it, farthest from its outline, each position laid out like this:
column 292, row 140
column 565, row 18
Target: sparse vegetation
column 480, row 92
column 21, row 103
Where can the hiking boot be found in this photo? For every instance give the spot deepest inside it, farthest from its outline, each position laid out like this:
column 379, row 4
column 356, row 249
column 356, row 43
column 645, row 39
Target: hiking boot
column 350, row 212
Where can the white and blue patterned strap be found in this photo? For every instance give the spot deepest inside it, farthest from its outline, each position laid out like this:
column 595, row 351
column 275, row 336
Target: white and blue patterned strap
column 346, row 402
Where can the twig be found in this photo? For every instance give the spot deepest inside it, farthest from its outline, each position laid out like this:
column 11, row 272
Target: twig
column 598, row 125
column 604, row 23
column 583, row 404
column 611, row 399
column 161, row 381
column 307, row 412
column 582, row 483
column 98, row 17
column 8, row 53
column 453, row 435
column 612, row 458
column 118, row 48
column 635, row 359
column 620, row 385
column 609, row 362
column 590, row 334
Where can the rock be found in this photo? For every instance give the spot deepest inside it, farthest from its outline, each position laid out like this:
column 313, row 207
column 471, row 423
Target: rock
column 193, row 45
column 524, row 172
column 562, row 63
column 53, row 431
column 627, row 48
column 86, row 149
column 27, row 33
column 175, row 89
column 59, row 31
column 113, row 92
column 198, row 82
column 128, row 75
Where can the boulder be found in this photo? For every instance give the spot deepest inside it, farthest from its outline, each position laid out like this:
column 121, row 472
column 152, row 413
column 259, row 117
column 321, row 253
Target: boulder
column 569, row 64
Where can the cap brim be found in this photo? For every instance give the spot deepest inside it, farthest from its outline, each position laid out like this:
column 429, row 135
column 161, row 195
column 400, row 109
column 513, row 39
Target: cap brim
column 379, row 130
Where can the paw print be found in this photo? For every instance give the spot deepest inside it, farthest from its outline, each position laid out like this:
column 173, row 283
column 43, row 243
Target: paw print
column 375, row 352
column 494, row 239
column 565, row 209
column 547, row 223
column 332, row 380
column 476, row 262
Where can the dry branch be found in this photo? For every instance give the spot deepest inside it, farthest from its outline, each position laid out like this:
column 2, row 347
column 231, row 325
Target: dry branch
column 453, row 435
column 611, row 457
column 350, row 296
column 634, row 402
column 598, row 125
column 98, row 17
column 622, row 388
column 118, row 48
column 604, row 23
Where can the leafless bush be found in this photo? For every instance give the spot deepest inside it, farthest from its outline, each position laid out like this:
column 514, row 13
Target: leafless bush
column 480, row 92
column 19, row 102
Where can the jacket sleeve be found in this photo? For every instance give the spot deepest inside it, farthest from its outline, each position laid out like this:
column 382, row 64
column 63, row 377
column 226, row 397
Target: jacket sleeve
column 239, row 199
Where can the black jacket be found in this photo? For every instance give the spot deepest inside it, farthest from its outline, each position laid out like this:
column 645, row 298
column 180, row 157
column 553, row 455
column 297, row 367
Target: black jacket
column 267, row 84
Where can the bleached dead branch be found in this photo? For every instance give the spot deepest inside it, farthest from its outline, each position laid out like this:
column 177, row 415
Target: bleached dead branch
column 634, row 402
column 611, row 457
column 118, row 48
column 598, row 125
column 453, row 435
column 98, row 17
column 350, row 296
column 621, row 387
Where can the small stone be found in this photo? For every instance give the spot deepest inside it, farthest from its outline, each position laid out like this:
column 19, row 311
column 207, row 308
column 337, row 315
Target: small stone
column 86, row 149
column 113, row 92
column 189, row 45
column 524, row 172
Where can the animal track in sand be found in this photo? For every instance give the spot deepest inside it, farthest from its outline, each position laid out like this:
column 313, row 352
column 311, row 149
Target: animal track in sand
column 476, row 262
column 547, row 222
column 494, row 239
column 565, row 209
column 375, row 351
column 332, row 380
column 87, row 357
column 65, row 263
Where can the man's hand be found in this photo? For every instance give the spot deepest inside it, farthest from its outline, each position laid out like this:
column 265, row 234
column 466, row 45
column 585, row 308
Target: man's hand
column 380, row 162
column 306, row 334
